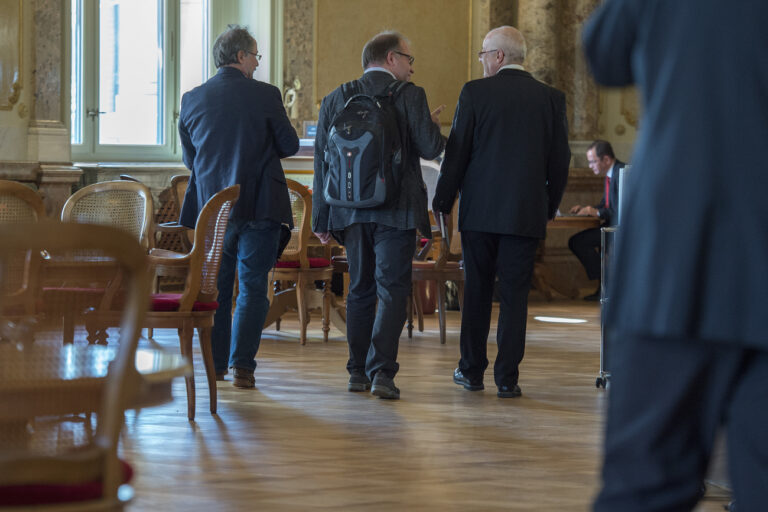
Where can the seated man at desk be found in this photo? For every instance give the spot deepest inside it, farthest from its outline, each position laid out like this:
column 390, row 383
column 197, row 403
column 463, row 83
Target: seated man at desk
column 586, row 244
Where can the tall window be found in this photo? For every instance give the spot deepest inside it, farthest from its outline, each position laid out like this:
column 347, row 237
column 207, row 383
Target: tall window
column 129, row 59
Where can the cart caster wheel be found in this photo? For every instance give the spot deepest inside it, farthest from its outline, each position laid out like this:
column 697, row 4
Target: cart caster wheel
column 600, row 382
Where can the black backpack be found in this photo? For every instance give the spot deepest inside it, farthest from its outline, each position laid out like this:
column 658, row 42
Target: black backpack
column 365, row 151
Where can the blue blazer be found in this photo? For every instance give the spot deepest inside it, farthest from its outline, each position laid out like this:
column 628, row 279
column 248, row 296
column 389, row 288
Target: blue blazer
column 234, row 130
column 690, row 261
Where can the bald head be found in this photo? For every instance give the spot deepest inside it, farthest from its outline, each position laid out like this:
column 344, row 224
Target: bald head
column 510, row 41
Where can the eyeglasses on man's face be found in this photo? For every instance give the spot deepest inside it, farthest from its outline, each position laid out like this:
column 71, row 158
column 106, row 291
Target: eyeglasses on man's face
column 410, row 58
column 481, row 53
column 257, row 55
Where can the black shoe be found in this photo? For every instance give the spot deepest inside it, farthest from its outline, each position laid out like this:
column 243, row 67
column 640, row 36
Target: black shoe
column 384, row 387
column 358, row 382
column 509, row 391
column 462, row 380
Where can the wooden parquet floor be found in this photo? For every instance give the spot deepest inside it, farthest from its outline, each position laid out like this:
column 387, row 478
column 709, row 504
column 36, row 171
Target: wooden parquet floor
column 300, row 441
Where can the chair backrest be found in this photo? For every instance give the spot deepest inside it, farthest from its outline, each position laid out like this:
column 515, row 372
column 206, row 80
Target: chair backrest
column 301, row 207
column 179, row 185
column 430, row 172
column 126, row 205
column 450, row 241
column 205, row 256
column 19, row 203
column 54, row 453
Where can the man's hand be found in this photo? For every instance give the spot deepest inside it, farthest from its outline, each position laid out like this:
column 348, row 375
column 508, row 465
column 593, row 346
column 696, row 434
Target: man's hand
column 324, row 237
column 436, row 114
column 575, row 209
column 588, row 211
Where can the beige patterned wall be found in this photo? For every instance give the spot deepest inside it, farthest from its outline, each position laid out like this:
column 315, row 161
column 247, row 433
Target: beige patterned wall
column 323, row 48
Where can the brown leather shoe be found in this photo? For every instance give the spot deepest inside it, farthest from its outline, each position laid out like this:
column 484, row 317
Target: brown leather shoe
column 243, row 378
column 221, row 375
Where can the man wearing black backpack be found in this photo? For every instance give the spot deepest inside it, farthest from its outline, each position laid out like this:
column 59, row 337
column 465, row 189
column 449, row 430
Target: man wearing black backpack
column 375, row 219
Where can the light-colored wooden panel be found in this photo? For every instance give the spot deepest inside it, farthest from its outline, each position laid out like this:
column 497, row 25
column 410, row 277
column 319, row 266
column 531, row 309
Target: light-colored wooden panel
column 440, row 33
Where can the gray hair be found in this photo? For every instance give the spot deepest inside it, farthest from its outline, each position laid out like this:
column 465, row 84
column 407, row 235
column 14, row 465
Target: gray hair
column 229, row 43
column 511, row 42
column 376, row 50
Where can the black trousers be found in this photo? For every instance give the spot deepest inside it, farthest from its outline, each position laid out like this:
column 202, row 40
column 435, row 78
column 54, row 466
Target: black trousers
column 586, row 246
column 667, row 399
column 511, row 258
column 379, row 259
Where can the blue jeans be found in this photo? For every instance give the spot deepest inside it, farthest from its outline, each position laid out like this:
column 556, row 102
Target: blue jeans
column 251, row 248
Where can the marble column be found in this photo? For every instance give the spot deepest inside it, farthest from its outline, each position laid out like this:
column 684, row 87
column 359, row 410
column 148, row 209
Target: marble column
column 48, row 140
column 553, row 34
column 298, row 31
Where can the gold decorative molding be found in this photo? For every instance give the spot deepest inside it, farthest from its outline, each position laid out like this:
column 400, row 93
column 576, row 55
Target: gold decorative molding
column 11, row 28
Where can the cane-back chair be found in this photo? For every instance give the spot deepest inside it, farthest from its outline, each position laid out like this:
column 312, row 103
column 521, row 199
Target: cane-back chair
column 448, row 266
column 48, row 463
column 122, row 204
column 196, row 305
column 19, row 203
column 301, row 271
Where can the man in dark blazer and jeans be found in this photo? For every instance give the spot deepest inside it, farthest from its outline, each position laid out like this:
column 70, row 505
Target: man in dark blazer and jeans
column 508, row 154
column 234, row 130
column 380, row 241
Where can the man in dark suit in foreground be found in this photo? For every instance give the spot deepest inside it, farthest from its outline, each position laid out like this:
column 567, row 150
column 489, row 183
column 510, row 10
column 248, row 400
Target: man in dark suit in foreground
column 234, row 130
column 508, row 154
column 380, row 241
column 586, row 244
column 690, row 285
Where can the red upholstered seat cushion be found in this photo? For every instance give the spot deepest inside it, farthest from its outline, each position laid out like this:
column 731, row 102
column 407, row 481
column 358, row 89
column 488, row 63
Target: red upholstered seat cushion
column 313, row 263
column 46, row 494
column 431, row 264
column 170, row 302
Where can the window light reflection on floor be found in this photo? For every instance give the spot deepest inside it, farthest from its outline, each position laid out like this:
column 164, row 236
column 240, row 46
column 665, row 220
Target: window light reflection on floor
column 559, row 320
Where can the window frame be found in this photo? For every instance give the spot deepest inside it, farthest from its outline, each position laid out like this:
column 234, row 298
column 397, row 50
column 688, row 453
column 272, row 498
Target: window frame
column 90, row 150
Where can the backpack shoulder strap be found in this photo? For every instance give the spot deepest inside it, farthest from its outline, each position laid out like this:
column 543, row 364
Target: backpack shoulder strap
column 350, row 89
column 394, row 88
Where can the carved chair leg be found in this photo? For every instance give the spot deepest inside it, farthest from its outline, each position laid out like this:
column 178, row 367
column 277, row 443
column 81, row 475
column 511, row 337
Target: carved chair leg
column 185, row 344
column 326, row 309
column 409, row 308
column 441, row 309
column 204, row 335
column 301, row 305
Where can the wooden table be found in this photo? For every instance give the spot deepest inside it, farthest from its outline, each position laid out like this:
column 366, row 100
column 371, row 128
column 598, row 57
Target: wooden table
column 541, row 274
column 46, row 378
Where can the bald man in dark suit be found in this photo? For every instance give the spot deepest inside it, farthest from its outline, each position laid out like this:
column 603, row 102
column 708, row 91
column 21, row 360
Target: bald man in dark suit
column 508, row 155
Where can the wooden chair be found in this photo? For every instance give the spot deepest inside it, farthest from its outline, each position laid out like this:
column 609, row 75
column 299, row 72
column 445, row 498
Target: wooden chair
column 171, row 233
column 19, row 203
column 48, row 467
column 296, row 267
column 446, row 267
column 122, row 204
column 195, row 307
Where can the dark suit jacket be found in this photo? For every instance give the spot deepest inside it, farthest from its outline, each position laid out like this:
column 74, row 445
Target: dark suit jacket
column 508, row 154
column 234, row 130
column 409, row 211
column 610, row 215
column 691, row 256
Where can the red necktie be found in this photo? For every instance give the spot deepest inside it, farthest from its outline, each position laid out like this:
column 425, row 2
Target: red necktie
column 607, row 191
